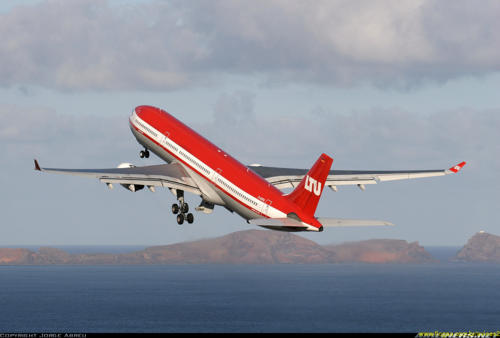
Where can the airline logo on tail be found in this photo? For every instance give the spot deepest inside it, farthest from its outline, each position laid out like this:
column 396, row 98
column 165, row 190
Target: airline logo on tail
column 312, row 185
column 306, row 195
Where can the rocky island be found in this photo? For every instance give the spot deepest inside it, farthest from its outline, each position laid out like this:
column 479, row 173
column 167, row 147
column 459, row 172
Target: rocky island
column 380, row 251
column 242, row 247
column 482, row 247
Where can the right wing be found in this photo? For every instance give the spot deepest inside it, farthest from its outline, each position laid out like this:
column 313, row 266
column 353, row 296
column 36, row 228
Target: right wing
column 289, row 178
column 163, row 175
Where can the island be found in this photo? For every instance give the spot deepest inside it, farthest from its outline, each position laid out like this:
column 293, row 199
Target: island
column 481, row 247
column 242, row 247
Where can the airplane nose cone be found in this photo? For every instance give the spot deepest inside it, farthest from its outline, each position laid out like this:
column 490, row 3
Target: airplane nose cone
column 139, row 110
column 145, row 112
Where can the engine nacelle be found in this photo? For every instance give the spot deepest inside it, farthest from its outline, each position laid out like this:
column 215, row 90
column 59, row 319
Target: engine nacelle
column 205, row 207
column 131, row 187
column 126, row 165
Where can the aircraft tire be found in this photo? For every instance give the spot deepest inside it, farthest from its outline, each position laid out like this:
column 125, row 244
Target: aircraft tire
column 180, row 219
column 190, row 218
column 175, row 209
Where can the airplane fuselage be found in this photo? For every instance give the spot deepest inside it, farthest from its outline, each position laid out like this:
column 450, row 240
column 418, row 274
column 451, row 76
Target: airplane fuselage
column 222, row 179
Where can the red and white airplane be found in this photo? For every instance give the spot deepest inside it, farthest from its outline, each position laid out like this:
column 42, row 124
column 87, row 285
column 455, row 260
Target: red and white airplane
column 196, row 165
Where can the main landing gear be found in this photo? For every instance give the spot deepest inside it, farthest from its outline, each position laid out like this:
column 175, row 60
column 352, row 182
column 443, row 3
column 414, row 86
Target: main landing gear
column 181, row 209
column 144, row 153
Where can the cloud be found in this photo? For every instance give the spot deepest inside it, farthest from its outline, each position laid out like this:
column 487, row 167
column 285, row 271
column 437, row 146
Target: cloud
column 85, row 44
column 28, row 132
column 348, row 42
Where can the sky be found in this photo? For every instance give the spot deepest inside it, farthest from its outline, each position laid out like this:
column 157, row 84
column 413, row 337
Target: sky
column 383, row 85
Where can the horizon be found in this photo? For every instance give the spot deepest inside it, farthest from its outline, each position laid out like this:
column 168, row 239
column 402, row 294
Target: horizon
column 23, row 246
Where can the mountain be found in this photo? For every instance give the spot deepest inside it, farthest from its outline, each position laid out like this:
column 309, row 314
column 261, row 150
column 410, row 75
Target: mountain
column 242, row 247
column 482, row 247
column 251, row 246
column 15, row 256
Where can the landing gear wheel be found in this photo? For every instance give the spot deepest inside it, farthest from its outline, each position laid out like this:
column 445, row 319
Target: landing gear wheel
column 184, row 208
column 175, row 209
column 180, row 219
column 190, row 218
column 146, row 153
column 142, row 154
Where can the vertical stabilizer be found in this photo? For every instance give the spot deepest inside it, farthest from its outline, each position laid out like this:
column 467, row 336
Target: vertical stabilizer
column 308, row 192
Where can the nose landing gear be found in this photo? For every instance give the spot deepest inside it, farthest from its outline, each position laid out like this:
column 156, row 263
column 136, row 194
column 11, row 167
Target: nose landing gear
column 144, row 153
column 181, row 209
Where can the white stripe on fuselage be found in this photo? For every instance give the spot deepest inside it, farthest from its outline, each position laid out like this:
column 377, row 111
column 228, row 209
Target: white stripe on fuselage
column 229, row 188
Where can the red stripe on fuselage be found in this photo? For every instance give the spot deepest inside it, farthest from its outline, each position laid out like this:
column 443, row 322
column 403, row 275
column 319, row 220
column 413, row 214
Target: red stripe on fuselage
column 216, row 158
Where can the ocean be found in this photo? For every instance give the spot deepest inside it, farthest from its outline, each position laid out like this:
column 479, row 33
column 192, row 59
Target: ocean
column 251, row 298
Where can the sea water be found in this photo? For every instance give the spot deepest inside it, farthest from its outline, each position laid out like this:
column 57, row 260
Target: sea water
column 250, row 298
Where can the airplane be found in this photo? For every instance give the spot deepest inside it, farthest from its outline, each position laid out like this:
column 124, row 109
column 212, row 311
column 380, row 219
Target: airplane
column 195, row 165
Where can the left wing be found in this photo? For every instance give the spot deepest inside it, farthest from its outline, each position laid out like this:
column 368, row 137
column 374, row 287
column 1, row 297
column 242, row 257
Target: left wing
column 163, row 175
column 289, row 178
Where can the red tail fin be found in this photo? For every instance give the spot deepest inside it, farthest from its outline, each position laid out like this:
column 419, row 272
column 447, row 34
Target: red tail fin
column 308, row 192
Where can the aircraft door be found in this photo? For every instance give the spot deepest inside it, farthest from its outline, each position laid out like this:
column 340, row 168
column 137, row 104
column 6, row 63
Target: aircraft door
column 265, row 207
column 164, row 138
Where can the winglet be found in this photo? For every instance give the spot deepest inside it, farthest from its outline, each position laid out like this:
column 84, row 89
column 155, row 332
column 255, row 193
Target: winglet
column 37, row 166
column 457, row 168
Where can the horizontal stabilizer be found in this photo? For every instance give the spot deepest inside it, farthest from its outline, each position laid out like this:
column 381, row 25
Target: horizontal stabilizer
column 342, row 222
column 283, row 224
column 289, row 222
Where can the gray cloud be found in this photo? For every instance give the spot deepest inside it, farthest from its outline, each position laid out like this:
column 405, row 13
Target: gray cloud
column 85, row 44
column 62, row 139
column 346, row 42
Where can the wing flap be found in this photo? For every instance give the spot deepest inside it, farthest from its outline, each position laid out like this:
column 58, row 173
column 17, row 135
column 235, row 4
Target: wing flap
column 157, row 182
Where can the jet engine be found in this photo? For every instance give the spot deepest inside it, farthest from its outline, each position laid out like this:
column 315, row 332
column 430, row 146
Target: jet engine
column 131, row 187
